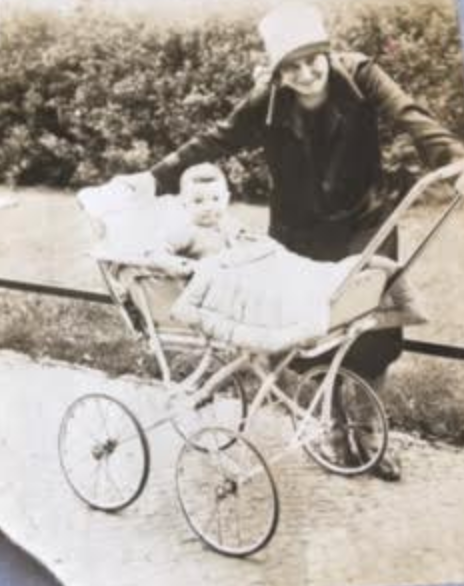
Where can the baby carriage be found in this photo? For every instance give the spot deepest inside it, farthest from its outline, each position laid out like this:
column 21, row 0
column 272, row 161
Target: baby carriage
column 224, row 484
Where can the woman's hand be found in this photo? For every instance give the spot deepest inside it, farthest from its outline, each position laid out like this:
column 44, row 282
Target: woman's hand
column 459, row 184
column 143, row 184
column 262, row 76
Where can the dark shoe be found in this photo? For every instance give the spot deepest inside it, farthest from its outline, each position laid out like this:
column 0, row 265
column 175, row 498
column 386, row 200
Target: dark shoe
column 388, row 469
column 365, row 446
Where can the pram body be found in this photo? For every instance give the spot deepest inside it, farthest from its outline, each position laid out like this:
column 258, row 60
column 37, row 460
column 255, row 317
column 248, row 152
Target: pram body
column 137, row 278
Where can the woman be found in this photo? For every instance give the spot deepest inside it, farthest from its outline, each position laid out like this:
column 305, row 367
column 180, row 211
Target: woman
column 315, row 113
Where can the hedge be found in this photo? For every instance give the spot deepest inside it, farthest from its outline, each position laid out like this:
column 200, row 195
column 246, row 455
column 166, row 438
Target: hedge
column 86, row 95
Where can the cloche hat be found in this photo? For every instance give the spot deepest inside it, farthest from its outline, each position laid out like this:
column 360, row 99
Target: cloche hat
column 292, row 26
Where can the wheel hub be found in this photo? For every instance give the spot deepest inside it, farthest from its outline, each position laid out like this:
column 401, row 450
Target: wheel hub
column 228, row 487
column 105, row 449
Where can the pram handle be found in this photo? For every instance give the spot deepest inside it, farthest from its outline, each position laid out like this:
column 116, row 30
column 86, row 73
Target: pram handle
column 453, row 170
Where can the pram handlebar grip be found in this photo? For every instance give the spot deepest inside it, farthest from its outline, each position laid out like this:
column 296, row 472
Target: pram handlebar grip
column 445, row 173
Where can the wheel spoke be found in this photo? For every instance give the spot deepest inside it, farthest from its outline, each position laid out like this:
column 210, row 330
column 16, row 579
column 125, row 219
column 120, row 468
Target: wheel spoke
column 218, row 523
column 88, row 432
column 238, row 523
column 110, row 477
column 102, row 418
column 96, row 483
column 211, row 519
column 128, row 439
column 82, row 460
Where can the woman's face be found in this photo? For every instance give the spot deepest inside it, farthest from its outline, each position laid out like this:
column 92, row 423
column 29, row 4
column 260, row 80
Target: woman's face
column 307, row 74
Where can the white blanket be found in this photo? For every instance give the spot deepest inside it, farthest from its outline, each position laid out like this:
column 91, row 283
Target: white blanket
column 260, row 296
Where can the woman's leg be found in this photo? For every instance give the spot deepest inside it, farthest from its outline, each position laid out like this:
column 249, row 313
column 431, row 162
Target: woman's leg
column 389, row 468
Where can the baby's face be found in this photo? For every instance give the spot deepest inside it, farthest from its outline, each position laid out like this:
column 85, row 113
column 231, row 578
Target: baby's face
column 207, row 203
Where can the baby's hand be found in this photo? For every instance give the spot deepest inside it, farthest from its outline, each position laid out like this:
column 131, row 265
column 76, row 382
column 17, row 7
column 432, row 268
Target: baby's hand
column 180, row 267
column 170, row 264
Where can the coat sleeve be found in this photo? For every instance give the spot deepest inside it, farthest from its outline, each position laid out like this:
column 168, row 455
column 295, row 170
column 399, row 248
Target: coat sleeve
column 436, row 145
column 242, row 129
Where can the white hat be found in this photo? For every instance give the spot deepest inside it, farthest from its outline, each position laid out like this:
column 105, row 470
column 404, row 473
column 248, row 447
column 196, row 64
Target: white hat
column 292, row 26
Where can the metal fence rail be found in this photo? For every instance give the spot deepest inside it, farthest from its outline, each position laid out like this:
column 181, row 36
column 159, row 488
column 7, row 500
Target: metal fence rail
column 414, row 346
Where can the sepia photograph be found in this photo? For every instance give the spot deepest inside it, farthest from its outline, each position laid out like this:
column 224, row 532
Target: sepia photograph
column 231, row 266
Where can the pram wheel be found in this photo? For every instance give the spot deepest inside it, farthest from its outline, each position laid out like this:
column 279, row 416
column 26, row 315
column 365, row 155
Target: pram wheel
column 229, row 497
column 349, row 436
column 103, row 452
column 225, row 406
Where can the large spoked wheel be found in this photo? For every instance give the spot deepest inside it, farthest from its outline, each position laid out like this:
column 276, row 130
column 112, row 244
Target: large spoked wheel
column 228, row 497
column 226, row 406
column 103, row 452
column 350, row 435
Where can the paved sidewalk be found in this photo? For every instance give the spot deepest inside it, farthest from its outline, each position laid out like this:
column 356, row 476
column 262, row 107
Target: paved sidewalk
column 333, row 531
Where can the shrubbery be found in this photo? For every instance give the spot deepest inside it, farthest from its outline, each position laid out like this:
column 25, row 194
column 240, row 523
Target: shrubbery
column 86, row 97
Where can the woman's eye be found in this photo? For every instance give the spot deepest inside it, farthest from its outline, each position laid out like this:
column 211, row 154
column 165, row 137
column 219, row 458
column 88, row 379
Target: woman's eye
column 310, row 61
column 290, row 68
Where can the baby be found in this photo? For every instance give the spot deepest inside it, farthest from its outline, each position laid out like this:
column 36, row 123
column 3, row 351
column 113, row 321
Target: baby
column 163, row 232
column 201, row 226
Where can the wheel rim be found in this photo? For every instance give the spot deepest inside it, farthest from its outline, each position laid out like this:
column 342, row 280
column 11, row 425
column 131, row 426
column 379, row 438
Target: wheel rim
column 228, row 496
column 103, row 452
column 354, row 439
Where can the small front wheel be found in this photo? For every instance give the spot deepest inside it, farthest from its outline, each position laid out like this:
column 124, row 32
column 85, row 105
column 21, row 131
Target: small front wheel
column 228, row 496
column 103, row 452
column 350, row 435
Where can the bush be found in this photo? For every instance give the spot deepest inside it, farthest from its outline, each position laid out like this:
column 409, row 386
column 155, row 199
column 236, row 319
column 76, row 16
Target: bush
column 83, row 98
